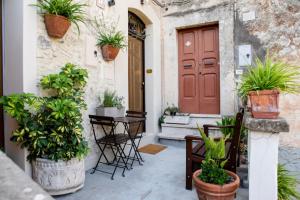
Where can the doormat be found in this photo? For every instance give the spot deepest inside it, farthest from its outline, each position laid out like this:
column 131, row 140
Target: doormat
column 152, row 149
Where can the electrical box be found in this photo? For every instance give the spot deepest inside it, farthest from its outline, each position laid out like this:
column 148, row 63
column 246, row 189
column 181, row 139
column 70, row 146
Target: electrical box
column 245, row 55
column 248, row 16
column 91, row 52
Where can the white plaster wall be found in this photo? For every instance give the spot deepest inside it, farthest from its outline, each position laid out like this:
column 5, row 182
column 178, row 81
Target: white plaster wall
column 195, row 16
column 79, row 49
column 19, row 33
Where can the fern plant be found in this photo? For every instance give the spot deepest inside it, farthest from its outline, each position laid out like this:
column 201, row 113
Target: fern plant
column 287, row 184
column 68, row 8
column 270, row 74
column 51, row 127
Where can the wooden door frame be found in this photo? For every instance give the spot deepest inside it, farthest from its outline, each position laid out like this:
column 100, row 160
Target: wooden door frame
column 143, row 61
column 178, row 57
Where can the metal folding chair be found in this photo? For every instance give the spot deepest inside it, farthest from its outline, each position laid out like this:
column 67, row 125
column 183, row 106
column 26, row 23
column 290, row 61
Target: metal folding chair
column 136, row 132
column 116, row 142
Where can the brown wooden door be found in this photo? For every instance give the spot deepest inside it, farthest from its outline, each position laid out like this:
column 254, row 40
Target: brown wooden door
column 136, row 74
column 199, row 70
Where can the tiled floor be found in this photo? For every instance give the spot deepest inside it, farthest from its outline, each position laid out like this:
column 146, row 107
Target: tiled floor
column 161, row 178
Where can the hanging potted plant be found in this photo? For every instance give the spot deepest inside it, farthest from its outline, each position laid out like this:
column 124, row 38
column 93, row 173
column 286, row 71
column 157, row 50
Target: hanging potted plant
column 212, row 181
column 263, row 83
column 59, row 14
column 109, row 39
column 50, row 128
column 112, row 105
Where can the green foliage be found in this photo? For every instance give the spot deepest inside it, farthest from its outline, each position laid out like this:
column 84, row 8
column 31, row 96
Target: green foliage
column 227, row 121
column 116, row 40
column 270, row 74
column 171, row 110
column 50, row 127
column 67, row 8
column 161, row 120
column 107, row 32
column 215, row 159
column 287, row 184
column 111, row 99
column 228, row 132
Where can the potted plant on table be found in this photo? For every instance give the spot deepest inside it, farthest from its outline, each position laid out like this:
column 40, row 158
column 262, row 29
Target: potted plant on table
column 263, row 83
column 50, row 128
column 59, row 14
column 109, row 39
column 112, row 105
column 212, row 181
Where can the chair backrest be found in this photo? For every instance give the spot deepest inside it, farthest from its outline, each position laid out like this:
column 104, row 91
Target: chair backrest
column 101, row 120
column 235, row 141
column 136, row 114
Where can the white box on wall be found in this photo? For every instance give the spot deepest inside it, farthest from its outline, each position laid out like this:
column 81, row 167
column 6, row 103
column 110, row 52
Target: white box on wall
column 245, row 55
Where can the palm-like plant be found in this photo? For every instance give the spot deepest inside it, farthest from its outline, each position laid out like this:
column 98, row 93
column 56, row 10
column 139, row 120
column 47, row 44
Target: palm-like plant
column 67, row 8
column 270, row 74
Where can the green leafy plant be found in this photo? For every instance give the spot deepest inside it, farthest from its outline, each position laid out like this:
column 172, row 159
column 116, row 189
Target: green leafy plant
column 51, row 127
column 287, row 184
column 107, row 32
column 68, row 8
column 111, row 99
column 270, row 74
column 215, row 159
column 227, row 121
column 171, row 110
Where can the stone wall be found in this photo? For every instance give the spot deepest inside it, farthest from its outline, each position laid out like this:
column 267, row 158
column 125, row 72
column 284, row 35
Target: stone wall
column 276, row 27
column 80, row 49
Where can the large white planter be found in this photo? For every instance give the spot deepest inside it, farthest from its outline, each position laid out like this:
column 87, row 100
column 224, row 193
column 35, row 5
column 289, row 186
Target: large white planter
column 60, row 177
column 110, row 111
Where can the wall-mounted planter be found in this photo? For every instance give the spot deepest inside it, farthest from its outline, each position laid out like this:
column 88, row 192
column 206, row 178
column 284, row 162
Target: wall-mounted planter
column 264, row 104
column 56, row 25
column 109, row 52
column 110, row 111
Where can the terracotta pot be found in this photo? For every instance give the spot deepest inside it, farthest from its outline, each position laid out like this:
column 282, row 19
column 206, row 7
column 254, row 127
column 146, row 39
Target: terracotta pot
column 207, row 191
column 56, row 25
column 109, row 52
column 264, row 104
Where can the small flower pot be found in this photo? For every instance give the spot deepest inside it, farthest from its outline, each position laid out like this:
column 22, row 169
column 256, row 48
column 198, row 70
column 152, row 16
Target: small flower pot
column 264, row 104
column 56, row 25
column 209, row 191
column 110, row 111
column 109, row 52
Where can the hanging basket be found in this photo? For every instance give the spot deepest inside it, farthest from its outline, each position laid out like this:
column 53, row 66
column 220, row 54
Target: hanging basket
column 56, row 25
column 109, row 52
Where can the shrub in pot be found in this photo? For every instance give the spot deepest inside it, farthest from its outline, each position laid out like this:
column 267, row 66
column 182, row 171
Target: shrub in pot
column 112, row 105
column 59, row 14
column 212, row 181
column 109, row 39
column 50, row 128
column 264, row 82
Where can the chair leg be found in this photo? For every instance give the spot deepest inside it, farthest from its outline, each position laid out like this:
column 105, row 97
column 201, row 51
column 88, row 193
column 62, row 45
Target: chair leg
column 189, row 174
column 189, row 163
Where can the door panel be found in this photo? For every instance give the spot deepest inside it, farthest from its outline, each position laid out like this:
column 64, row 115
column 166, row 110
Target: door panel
column 199, row 73
column 136, row 75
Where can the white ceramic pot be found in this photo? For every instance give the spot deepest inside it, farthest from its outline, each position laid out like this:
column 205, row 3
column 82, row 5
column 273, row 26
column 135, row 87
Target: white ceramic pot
column 60, row 177
column 110, row 111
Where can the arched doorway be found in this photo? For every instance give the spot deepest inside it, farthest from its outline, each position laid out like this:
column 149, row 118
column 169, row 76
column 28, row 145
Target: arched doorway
column 136, row 63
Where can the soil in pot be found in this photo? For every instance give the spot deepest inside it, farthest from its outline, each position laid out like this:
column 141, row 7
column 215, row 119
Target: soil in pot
column 56, row 25
column 207, row 191
column 264, row 104
column 109, row 52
